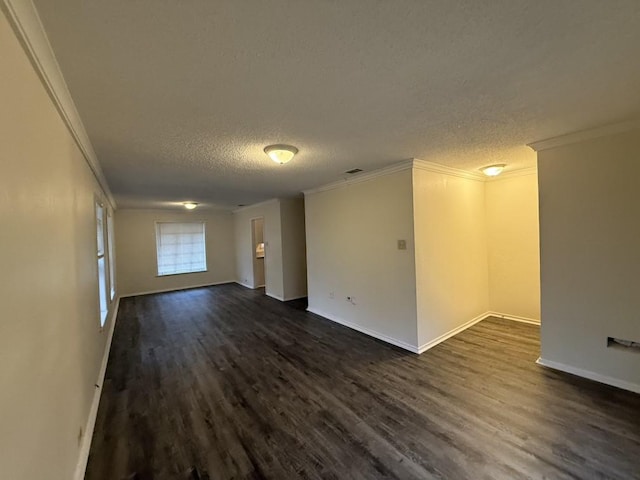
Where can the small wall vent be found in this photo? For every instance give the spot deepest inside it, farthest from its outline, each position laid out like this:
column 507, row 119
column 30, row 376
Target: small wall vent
column 621, row 344
column 353, row 170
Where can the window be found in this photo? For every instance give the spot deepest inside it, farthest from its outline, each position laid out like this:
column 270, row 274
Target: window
column 110, row 248
column 102, row 269
column 180, row 248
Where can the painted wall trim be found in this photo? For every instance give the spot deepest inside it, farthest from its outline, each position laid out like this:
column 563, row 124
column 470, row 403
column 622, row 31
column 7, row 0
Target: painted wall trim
column 259, row 204
column 445, row 170
column 277, row 297
column 426, row 346
column 432, row 343
column 177, row 289
column 24, row 19
column 296, row 297
column 583, row 135
column 363, row 177
column 515, row 318
column 614, row 382
column 85, row 447
column 366, row 331
column 506, row 175
column 245, row 285
column 419, row 165
column 280, row 298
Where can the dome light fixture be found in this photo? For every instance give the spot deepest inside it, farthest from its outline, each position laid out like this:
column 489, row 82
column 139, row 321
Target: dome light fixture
column 190, row 205
column 493, row 170
column 281, row 153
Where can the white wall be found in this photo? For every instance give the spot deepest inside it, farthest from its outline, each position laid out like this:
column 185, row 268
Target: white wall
column 513, row 244
column 294, row 253
column 244, row 253
column 51, row 343
column 451, row 252
column 137, row 266
column 590, row 254
column 352, row 234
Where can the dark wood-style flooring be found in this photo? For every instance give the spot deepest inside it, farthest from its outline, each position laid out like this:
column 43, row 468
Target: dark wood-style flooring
column 225, row 383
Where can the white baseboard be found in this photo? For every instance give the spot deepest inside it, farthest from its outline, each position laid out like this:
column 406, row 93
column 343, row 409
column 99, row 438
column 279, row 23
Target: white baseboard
column 615, row 382
column 176, row 289
column 283, row 299
column 470, row 323
column 432, row 343
column 426, row 346
column 288, row 299
column 515, row 318
column 246, row 285
column 85, row 446
column 366, row 331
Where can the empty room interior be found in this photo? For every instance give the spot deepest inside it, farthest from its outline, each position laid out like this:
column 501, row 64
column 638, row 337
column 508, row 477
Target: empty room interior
column 319, row 239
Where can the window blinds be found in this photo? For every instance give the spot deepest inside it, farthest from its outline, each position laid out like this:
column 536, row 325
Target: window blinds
column 180, row 248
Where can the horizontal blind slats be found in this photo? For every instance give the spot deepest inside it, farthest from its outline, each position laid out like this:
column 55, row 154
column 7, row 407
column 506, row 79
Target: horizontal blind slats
column 180, row 248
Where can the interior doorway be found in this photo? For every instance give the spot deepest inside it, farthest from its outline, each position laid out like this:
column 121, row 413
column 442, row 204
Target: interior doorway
column 258, row 252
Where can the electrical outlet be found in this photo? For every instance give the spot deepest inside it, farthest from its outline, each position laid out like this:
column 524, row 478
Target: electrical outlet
column 402, row 244
column 332, row 295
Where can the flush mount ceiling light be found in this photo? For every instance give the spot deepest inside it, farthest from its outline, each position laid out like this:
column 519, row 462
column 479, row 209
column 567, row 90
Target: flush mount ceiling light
column 280, row 153
column 190, row 205
column 493, row 170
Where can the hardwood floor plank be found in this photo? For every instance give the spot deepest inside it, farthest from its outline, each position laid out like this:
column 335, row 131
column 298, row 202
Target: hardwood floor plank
column 226, row 383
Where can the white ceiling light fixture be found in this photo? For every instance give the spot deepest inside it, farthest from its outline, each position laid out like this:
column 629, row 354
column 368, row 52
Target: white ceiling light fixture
column 190, row 205
column 281, row 153
column 493, row 170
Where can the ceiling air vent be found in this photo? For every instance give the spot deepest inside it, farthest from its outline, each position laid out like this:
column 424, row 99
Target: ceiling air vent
column 353, row 170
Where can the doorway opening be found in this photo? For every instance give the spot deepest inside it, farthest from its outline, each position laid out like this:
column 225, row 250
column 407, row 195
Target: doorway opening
column 258, row 252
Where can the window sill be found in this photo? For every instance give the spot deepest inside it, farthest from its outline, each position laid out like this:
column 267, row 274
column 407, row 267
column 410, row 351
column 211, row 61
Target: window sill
column 182, row 273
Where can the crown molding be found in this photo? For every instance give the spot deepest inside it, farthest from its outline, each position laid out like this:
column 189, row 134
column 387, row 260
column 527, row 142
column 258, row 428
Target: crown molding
column 26, row 24
column 521, row 172
column 478, row 176
column 445, row 170
column 363, row 177
column 255, row 205
column 583, row 135
column 399, row 167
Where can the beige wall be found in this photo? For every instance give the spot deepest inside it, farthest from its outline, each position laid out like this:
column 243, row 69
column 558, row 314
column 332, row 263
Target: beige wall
column 244, row 253
column 294, row 254
column 352, row 234
column 441, row 283
column 137, row 266
column 513, row 246
column 284, row 262
column 51, row 343
column 590, row 255
column 451, row 252
column 258, row 263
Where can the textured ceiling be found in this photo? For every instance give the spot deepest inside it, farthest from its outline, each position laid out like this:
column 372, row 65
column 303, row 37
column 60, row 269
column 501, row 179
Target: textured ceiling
column 180, row 97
